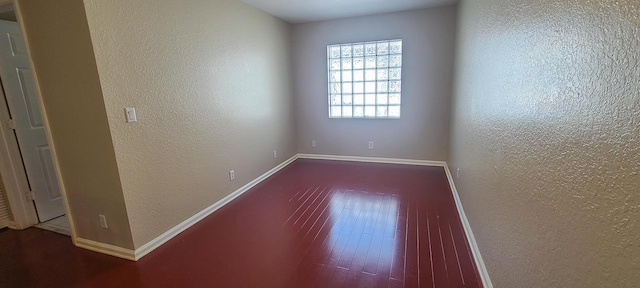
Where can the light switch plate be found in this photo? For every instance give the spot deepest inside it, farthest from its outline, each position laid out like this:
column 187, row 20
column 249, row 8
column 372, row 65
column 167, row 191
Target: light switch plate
column 131, row 115
column 103, row 221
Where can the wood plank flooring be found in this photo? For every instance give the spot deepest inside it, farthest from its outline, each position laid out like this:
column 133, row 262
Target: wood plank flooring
column 314, row 224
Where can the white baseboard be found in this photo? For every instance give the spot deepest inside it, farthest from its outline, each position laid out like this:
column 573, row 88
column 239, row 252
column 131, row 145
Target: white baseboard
column 103, row 248
column 158, row 241
column 373, row 160
column 482, row 269
column 166, row 236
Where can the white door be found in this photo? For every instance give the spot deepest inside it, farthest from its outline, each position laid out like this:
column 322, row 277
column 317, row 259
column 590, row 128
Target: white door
column 22, row 99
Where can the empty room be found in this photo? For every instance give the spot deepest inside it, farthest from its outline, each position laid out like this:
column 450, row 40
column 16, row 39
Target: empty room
column 314, row 143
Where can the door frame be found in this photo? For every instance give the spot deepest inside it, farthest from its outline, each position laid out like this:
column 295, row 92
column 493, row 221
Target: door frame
column 12, row 169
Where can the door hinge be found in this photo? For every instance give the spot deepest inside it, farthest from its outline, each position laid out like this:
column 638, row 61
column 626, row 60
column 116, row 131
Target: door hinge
column 12, row 124
column 31, row 196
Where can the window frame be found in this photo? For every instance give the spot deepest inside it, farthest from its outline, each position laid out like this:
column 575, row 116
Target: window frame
column 360, row 84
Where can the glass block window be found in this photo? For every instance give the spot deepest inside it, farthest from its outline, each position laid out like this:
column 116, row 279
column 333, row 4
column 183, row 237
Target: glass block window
column 365, row 79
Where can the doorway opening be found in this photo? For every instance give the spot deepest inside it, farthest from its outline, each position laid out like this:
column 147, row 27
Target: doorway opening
column 25, row 139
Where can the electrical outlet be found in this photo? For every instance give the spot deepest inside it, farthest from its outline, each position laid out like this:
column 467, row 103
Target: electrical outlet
column 275, row 154
column 232, row 175
column 370, row 145
column 313, row 143
column 457, row 173
column 103, row 221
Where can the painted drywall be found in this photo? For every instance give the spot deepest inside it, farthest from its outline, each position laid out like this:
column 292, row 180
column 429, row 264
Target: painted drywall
column 60, row 48
column 546, row 131
column 427, row 70
column 211, row 84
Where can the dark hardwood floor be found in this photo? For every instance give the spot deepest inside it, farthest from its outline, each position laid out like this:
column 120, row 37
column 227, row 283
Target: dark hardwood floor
column 313, row 224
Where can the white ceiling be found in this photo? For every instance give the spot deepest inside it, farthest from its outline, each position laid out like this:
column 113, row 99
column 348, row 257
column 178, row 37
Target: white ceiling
column 300, row 11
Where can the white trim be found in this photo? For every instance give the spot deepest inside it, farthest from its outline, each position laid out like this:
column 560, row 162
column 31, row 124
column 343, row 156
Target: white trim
column 158, row 241
column 173, row 232
column 105, row 248
column 482, row 269
column 373, row 160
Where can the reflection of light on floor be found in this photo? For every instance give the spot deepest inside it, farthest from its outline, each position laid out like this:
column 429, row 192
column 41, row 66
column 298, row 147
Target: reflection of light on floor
column 364, row 226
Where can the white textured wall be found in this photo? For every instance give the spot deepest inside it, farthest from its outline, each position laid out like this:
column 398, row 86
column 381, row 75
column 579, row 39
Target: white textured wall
column 427, row 70
column 211, row 84
column 546, row 131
